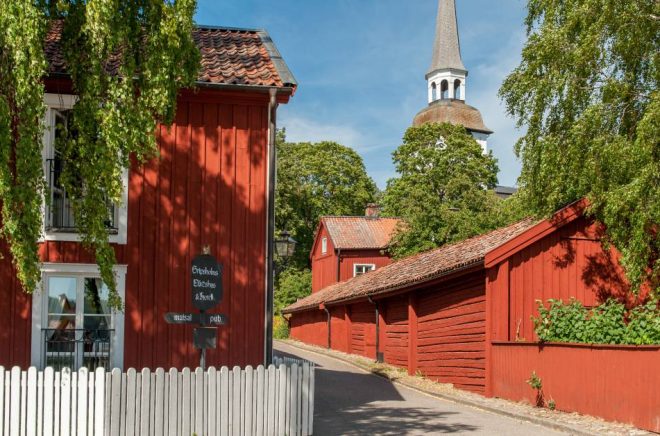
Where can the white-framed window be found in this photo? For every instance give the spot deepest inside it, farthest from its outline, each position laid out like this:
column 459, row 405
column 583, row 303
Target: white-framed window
column 362, row 268
column 324, row 245
column 72, row 324
column 59, row 223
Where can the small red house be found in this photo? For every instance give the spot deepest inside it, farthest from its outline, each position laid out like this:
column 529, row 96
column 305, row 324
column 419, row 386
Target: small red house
column 461, row 314
column 348, row 246
column 212, row 185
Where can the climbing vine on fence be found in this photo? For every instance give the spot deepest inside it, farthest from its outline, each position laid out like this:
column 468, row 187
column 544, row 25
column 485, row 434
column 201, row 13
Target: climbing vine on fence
column 127, row 60
column 609, row 323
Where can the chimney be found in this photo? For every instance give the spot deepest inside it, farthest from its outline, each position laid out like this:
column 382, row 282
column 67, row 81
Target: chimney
column 372, row 210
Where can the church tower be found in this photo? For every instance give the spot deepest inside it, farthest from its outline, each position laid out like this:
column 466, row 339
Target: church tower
column 447, row 78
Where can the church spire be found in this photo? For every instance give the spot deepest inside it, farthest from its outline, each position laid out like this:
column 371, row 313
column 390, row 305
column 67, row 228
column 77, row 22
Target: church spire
column 447, row 47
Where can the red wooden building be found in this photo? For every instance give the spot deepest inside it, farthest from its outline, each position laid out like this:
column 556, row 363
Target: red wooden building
column 461, row 314
column 348, row 246
column 211, row 186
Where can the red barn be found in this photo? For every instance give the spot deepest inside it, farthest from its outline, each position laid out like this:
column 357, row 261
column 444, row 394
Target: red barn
column 461, row 314
column 212, row 185
column 347, row 246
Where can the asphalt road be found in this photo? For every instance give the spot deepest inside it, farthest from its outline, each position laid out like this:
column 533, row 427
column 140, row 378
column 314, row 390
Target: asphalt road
column 350, row 401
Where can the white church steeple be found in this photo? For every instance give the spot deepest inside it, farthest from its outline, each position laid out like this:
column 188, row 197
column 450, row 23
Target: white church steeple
column 447, row 75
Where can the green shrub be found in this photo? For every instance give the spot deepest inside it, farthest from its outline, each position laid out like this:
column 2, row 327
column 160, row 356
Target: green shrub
column 609, row 323
column 280, row 328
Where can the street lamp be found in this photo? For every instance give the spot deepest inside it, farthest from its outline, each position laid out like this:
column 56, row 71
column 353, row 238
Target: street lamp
column 285, row 245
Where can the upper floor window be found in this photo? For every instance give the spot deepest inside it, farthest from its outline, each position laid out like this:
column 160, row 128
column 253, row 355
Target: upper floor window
column 59, row 220
column 362, row 268
column 324, row 245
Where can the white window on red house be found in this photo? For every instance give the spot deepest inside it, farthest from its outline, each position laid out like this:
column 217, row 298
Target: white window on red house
column 59, row 221
column 362, row 268
column 324, row 245
column 74, row 327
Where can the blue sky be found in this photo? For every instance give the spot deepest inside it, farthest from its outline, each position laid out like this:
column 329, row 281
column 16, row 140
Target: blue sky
column 360, row 66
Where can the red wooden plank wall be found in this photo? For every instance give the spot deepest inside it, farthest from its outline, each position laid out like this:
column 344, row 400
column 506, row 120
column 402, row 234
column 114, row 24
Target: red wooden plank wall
column 338, row 327
column 613, row 382
column 310, row 327
column 451, row 332
column 352, row 257
column 324, row 266
column 395, row 346
column 363, row 329
column 569, row 263
column 208, row 187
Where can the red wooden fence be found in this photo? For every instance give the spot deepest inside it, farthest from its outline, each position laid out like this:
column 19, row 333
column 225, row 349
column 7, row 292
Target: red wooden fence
column 618, row 383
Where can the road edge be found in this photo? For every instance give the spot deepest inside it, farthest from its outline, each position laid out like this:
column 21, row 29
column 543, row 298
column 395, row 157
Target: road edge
column 520, row 416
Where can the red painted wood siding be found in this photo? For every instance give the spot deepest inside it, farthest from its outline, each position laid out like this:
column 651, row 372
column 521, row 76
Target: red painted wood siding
column 363, row 329
column 310, row 327
column 451, row 332
column 324, row 266
column 338, row 327
column 569, row 263
column 208, row 187
column 353, row 257
column 395, row 346
column 613, row 382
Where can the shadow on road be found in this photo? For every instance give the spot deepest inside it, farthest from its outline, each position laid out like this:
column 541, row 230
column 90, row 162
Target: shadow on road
column 351, row 403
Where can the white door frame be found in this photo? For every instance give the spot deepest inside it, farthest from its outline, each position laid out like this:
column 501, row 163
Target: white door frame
column 39, row 308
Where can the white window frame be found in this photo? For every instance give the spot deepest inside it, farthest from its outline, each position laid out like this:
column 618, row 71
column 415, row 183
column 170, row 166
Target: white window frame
column 55, row 102
column 372, row 267
column 39, row 307
column 324, row 245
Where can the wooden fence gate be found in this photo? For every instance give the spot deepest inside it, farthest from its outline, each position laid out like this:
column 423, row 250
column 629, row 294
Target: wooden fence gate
column 262, row 401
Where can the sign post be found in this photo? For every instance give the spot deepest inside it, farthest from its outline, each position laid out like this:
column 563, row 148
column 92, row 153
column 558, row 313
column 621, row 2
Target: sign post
column 206, row 286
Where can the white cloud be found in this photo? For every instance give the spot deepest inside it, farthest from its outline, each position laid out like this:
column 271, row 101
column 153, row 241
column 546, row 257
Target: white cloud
column 304, row 129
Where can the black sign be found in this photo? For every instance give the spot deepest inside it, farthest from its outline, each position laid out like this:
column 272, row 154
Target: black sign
column 205, row 337
column 206, row 275
column 196, row 318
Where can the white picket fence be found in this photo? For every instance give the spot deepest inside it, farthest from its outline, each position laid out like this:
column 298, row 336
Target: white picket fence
column 278, row 400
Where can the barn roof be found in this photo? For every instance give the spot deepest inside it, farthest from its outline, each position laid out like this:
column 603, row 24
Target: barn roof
column 229, row 57
column 360, row 232
column 415, row 269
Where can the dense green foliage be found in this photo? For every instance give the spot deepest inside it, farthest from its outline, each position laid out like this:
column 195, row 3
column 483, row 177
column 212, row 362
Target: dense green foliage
column 280, row 328
column 587, row 92
column 292, row 284
column 22, row 66
column 609, row 323
column 127, row 59
column 443, row 189
column 313, row 180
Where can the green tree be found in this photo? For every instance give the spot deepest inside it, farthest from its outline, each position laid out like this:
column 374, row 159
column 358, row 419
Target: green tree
column 587, row 92
column 292, row 284
column 126, row 59
column 316, row 179
column 444, row 188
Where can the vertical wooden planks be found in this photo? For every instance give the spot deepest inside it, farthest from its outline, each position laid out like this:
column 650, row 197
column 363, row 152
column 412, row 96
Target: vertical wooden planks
column 186, row 416
column 199, row 401
column 83, row 379
column 261, row 401
column 224, row 401
column 31, row 428
column 99, row 400
column 235, row 419
column 249, row 377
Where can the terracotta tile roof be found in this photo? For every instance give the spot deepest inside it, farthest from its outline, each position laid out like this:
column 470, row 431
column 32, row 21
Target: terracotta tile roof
column 360, row 232
column 228, row 57
column 454, row 112
column 414, row 269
